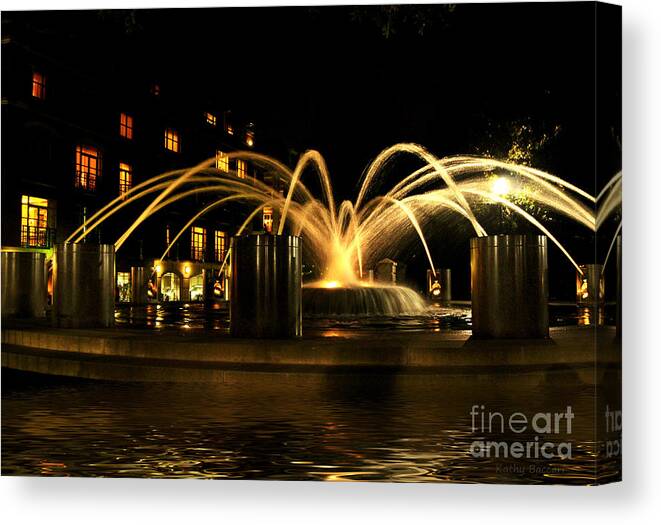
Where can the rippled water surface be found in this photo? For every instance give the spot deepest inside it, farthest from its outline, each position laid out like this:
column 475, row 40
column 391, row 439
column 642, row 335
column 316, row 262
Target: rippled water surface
column 333, row 427
column 216, row 317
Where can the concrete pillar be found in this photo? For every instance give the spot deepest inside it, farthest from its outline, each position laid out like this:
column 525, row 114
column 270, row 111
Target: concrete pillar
column 24, row 291
column 445, row 278
column 84, row 285
column 590, row 285
column 138, row 285
column 618, row 315
column 266, row 296
column 509, row 286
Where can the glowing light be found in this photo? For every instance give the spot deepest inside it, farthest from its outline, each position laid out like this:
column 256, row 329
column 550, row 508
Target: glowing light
column 347, row 238
column 436, row 289
column 187, row 270
column 158, row 268
column 500, row 186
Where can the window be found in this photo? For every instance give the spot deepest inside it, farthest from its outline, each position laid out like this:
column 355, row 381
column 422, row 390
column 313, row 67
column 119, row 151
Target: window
column 126, row 126
column 250, row 138
column 124, row 287
column 38, row 85
column 210, row 118
column 198, row 243
column 222, row 161
column 196, row 287
column 155, row 89
column 125, row 177
column 229, row 129
column 219, row 246
column 34, row 221
column 241, row 169
column 267, row 219
column 170, row 287
column 172, row 140
column 88, row 167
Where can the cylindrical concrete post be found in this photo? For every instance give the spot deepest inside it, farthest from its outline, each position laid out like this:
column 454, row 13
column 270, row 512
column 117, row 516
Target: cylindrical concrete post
column 84, row 285
column 618, row 314
column 444, row 276
column 138, row 285
column 24, row 291
column 590, row 285
column 266, row 296
column 509, row 287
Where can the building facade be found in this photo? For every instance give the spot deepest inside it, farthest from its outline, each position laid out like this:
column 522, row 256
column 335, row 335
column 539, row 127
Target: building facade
column 73, row 141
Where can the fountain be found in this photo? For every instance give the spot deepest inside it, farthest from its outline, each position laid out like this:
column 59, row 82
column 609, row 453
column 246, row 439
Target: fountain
column 345, row 240
column 332, row 298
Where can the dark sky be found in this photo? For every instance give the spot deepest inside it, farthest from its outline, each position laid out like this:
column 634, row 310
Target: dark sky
column 350, row 81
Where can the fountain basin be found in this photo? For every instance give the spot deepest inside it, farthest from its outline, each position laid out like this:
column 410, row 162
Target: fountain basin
column 359, row 300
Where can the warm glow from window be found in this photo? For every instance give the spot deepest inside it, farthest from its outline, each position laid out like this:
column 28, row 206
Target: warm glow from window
column 126, row 126
column 250, row 138
column 210, row 118
column 34, row 221
column 88, row 167
column 38, row 85
column 267, row 219
column 124, row 287
column 125, row 177
column 172, row 140
column 229, row 129
column 222, row 161
column 198, row 243
column 155, row 89
column 241, row 169
column 219, row 246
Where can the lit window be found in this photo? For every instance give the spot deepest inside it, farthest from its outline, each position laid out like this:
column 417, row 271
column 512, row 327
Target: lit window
column 241, row 169
column 172, row 140
column 125, row 177
column 229, row 129
column 250, row 138
column 267, row 219
column 210, row 118
column 155, row 89
column 34, row 221
column 38, row 85
column 88, row 167
column 126, row 126
column 124, row 287
column 219, row 246
column 198, row 243
column 222, row 161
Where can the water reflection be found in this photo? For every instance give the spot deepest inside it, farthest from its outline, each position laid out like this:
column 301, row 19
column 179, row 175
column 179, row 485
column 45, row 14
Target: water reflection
column 215, row 316
column 591, row 315
column 336, row 428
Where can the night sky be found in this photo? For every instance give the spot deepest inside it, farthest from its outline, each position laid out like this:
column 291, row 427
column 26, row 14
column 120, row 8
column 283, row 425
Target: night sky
column 350, row 81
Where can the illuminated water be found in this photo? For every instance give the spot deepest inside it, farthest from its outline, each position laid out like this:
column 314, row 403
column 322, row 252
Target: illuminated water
column 335, row 428
column 195, row 316
column 347, row 239
column 310, row 427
